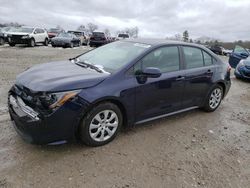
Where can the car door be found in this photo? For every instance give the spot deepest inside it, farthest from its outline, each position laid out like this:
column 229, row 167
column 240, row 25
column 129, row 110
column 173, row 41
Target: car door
column 157, row 96
column 238, row 54
column 199, row 70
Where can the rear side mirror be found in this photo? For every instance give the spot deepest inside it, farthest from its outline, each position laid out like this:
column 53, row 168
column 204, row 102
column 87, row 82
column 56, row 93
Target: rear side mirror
column 151, row 72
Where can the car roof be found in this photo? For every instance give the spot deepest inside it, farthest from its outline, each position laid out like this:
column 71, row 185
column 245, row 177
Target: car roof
column 156, row 42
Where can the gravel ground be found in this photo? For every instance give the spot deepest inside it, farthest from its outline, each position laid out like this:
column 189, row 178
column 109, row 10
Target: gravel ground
column 193, row 149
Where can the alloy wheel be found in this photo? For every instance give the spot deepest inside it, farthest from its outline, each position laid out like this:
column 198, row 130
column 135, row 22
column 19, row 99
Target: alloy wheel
column 104, row 125
column 215, row 98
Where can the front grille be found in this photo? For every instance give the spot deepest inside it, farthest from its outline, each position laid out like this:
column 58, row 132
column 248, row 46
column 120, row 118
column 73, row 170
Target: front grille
column 17, row 39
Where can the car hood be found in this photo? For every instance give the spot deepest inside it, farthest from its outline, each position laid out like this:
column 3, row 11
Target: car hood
column 17, row 33
column 59, row 76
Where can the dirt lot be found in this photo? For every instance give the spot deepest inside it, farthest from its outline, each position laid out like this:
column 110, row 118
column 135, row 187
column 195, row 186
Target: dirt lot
column 193, row 149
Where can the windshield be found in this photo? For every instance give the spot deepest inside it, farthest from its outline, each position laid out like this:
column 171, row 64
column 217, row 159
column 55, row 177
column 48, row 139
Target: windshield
column 123, row 36
column 67, row 35
column 113, row 56
column 24, row 29
column 98, row 34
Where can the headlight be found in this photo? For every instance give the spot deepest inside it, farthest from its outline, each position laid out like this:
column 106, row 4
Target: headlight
column 5, row 34
column 25, row 37
column 54, row 100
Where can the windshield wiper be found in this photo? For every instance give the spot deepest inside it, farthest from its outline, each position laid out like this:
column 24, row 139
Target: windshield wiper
column 88, row 65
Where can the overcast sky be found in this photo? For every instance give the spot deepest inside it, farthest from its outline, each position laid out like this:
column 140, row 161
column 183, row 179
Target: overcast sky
column 227, row 20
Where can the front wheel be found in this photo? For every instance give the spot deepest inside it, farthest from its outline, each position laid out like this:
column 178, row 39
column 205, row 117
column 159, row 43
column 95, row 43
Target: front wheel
column 214, row 99
column 32, row 43
column 101, row 125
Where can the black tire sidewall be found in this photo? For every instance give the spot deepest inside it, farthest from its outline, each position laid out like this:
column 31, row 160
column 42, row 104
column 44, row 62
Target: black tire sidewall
column 85, row 123
column 46, row 42
column 32, row 42
column 207, row 106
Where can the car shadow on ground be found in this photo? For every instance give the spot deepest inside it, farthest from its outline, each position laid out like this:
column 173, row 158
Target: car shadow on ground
column 124, row 134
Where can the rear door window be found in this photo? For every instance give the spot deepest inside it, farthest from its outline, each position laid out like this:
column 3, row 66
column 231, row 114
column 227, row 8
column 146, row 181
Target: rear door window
column 193, row 57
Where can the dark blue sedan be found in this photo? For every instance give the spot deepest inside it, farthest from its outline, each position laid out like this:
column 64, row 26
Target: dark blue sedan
column 237, row 55
column 120, row 84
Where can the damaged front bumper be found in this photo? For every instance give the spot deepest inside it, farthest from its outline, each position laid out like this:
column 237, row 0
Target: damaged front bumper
column 41, row 128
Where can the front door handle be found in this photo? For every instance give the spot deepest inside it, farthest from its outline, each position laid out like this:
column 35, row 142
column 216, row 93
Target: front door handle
column 180, row 78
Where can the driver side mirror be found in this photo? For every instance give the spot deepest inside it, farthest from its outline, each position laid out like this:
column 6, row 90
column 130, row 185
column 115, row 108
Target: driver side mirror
column 151, row 72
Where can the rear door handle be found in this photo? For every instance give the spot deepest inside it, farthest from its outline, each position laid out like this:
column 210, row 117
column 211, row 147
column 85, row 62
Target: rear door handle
column 180, row 78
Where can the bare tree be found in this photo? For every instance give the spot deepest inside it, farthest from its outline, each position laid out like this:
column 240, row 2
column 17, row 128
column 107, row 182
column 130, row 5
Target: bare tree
column 91, row 27
column 107, row 32
column 132, row 32
column 81, row 28
column 59, row 27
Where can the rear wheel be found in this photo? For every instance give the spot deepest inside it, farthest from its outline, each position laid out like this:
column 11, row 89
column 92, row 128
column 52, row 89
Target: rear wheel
column 214, row 99
column 101, row 125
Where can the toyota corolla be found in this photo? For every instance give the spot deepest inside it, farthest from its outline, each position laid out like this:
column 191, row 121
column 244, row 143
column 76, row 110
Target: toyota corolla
column 120, row 84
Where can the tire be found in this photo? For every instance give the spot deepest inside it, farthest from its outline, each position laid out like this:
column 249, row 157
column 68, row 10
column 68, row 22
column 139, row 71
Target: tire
column 214, row 99
column 101, row 125
column 2, row 41
column 46, row 42
column 12, row 44
column 71, row 45
column 79, row 45
column 32, row 43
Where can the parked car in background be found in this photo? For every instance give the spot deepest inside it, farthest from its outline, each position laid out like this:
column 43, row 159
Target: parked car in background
column 28, row 35
column 226, row 52
column 119, row 84
column 52, row 32
column 80, row 34
column 4, row 34
column 65, row 40
column 217, row 49
column 122, row 36
column 98, row 38
column 238, row 54
column 2, row 38
column 242, row 70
